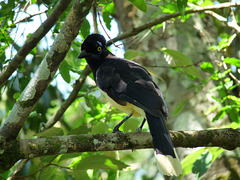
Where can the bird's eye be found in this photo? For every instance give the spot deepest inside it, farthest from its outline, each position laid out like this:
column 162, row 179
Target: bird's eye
column 99, row 48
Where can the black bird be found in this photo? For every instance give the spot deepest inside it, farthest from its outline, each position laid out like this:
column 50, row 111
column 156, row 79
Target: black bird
column 130, row 88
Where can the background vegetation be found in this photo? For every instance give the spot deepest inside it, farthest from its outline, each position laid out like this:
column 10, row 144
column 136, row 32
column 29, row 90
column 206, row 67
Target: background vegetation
column 191, row 47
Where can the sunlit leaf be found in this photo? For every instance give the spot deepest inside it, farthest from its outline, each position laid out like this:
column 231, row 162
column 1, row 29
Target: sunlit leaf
column 183, row 62
column 107, row 19
column 216, row 152
column 110, row 8
column 180, row 106
column 182, row 4
column 53, row 131
column 100, row 127
column 81, row 174
column 85, row 28
column 131, row 54
column 100, row 162
column 131, row 125
column 233, row 61
column 66, row 157
column 219, row 115
column 140, row 4
column 207, row 67
column 48, row 173
column 64, row 70
column 233, row 125
column 187, row 162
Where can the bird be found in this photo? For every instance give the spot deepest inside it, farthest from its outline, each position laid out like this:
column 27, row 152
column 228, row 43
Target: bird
column 130, row 88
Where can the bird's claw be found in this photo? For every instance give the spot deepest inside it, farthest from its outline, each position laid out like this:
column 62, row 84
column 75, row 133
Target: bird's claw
column 139, row 130
column 116, row 130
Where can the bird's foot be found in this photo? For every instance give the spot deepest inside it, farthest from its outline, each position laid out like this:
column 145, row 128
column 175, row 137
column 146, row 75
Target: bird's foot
column 116, row 130
column 139, row 130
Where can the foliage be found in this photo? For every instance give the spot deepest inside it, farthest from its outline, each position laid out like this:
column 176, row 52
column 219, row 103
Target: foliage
column 89, row 114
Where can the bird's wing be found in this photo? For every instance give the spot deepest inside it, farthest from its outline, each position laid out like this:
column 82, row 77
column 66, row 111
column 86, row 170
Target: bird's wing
column 125, row 80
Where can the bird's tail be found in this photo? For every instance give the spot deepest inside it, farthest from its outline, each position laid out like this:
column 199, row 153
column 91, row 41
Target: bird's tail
column 165, row 153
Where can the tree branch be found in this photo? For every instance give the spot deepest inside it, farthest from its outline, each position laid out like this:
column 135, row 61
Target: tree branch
column 232, row 24
column 46, row 71
column 166, row 17
column 12, row 151
column 30, row 16
column 32, row 41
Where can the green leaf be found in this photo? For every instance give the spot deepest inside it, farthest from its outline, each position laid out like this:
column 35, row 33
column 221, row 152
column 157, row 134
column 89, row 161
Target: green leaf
column 67, row 157
column 64, row 70
column 100, row 162
column 180, row 106
column 216, row 152
column 206, row 3
column 211, row 109
column 81, row 174
column 182, row 4
column 82, row 129
column 140, row 4
column 131, row 126
column 53, row 131
column 207, row 67
column 48, row 173
column 233, row 125
column 219, row 115
column 184, row 62
column 234, row 98
column 234, row 115
column 110, row 8
column 187, row 162
column 100, row 127
column 107, row 19
column 16, row 96
column 226, row 41
column 85, row 29
column 131, row 54
column 202, row 164
column 232, row 61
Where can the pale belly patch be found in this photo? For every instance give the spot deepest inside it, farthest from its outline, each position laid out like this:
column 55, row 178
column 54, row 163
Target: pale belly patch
column 128, row 108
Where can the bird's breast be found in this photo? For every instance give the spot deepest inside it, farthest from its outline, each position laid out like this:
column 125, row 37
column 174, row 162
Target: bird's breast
column 127, row 108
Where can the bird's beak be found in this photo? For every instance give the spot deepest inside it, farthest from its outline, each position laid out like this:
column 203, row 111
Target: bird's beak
column 83, row 54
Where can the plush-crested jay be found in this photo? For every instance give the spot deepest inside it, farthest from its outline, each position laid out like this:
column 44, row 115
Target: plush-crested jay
column 130, row 88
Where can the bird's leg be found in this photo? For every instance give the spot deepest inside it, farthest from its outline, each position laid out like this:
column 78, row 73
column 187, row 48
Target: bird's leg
column 140, row 128
column 116, row 128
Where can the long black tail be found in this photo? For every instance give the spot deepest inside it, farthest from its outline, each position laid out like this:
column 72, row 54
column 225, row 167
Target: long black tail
column 165, row 153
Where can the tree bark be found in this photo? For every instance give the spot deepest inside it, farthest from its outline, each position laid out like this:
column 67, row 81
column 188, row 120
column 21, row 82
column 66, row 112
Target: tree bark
column 12, row 151
column 46, row 71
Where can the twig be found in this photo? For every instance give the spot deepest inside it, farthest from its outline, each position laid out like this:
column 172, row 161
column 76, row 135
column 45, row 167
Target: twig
column 100, row 21
column 94, row 12
column 166, row 17
column 35, row 172
column 19, row 167
column 183, row 66
column 30, row 16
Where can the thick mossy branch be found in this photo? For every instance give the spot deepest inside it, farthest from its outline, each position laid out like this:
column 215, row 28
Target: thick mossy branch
column 12, row 151
column 226, row 138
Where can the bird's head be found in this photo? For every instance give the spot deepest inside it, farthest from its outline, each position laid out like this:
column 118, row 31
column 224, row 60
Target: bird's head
column 92, row 46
